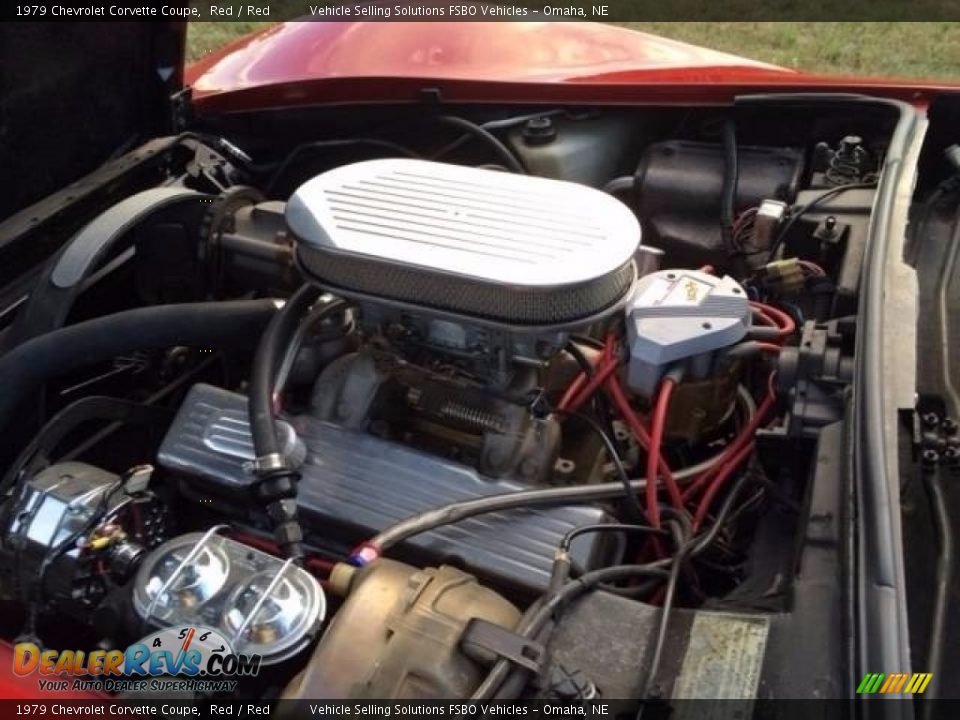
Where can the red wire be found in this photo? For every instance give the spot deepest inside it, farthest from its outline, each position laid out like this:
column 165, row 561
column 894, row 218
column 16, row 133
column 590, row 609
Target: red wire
column 599, row 377
column 732, row 457
column 574, row 388
column 657, row 424
column 718, row 482
column 579, row 392
column 571, row 391
column 761, row 315
column 744, row 436
column 776, row 317
column 619, row 398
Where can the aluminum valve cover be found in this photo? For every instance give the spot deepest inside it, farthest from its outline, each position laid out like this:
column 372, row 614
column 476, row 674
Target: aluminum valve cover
column 354, row 484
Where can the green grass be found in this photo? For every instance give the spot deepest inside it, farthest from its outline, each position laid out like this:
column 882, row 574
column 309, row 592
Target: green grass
column 203, row 37
column 929, row 50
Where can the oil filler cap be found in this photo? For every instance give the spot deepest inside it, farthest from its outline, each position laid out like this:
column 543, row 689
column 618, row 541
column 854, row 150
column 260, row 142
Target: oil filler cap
column 681, row 315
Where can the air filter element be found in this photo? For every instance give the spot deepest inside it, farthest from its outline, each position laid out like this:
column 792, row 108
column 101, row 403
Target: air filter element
column 464, row 241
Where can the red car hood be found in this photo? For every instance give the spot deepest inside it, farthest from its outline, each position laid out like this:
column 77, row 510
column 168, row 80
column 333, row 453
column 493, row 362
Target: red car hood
column 300, row 63
column 471, row 51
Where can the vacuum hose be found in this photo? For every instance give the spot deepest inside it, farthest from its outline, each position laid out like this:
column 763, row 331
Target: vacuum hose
column 277, row 481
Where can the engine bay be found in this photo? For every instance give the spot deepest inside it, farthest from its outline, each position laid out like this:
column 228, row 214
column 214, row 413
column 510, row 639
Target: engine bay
column 438, row 408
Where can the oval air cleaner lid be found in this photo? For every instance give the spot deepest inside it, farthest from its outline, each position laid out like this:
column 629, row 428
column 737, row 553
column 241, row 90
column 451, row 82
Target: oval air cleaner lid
column 481, row 243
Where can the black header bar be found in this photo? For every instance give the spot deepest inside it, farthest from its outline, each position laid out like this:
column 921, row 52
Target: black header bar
column 450, row 10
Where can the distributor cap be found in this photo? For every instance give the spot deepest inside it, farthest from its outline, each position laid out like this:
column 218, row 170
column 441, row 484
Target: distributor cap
column 676, row 315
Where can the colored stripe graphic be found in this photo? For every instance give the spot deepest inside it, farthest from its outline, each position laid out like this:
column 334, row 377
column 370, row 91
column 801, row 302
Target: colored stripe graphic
column 894, row 683
column 870, row 683
column 918, row 683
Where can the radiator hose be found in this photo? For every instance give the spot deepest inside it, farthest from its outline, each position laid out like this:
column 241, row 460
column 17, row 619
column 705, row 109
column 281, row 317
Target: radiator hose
column 208, row 324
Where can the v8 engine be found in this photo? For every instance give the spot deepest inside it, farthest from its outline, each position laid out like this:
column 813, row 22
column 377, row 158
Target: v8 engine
column 416, row 427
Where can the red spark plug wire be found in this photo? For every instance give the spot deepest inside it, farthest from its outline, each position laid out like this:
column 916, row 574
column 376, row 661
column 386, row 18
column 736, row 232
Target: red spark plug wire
column 732, row 457
column 775, row 318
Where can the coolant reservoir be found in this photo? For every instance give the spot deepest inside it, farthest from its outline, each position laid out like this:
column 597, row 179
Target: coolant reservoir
column 588, row 151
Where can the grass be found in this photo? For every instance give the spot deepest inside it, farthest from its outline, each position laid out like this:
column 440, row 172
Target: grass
column 928, row 50
column 203, row 37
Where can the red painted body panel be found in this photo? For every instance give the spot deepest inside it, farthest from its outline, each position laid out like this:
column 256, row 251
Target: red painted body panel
column 471, row 51
column 305, row 63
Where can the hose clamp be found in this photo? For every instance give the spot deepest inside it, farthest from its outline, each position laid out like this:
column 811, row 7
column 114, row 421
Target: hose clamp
column 266, row 464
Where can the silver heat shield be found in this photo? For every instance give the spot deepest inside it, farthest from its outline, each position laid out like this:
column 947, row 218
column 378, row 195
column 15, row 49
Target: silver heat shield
column 478, row 243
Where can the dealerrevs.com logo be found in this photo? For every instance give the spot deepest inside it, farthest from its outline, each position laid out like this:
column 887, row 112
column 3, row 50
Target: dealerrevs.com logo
column 186, row 658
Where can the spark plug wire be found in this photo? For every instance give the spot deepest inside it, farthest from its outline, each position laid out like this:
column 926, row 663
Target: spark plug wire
column 657, row 425
column 776, row 318
column 739, row 450
column 622, row 404
column 586, row 390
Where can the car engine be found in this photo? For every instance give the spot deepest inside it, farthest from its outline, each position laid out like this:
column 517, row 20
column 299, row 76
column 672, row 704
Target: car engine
column 413, row 415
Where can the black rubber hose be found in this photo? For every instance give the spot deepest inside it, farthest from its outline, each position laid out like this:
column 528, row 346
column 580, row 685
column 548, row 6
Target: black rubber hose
column 798, row 211
column 944, row 579
column 607, row 527
column 577, row 354
column 676, row 566
column 502, row 151
column 560, row 573
column 64, row 278
column 390, row 147
column 208, row 324
column 633, row 507
column 619, row 185
column 457, row 511
column 266, row 362
column 540, row 613
column 539, row 497
column 276, row 484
